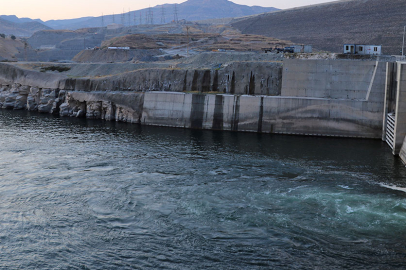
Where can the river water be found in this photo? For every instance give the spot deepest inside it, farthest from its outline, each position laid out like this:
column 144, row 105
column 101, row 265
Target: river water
column 80, row 194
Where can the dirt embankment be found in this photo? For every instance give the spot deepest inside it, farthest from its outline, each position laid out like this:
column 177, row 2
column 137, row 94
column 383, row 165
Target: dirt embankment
column 111, row 56
column 329, row 26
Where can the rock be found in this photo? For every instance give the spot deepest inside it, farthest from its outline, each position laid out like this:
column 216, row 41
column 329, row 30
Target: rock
column 108, row 111
column 94, row 109
column 33, row 99
column 80, row 114
column 64, row 109
column 47, row 99
column 20, row 102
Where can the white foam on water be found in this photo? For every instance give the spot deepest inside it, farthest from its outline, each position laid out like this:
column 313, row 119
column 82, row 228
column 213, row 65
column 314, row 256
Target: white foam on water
column 393, row 187
column 344, row 187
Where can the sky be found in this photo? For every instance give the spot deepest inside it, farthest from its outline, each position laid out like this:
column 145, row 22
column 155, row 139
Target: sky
column 69, row 9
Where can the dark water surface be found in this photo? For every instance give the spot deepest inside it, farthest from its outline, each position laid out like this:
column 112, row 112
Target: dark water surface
column 77, row 194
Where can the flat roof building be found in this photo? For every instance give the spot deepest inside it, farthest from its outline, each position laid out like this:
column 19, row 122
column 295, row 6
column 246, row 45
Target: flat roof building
column 362, row 49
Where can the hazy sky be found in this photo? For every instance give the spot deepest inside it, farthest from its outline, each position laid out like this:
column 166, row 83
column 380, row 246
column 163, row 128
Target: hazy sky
column 68, row 9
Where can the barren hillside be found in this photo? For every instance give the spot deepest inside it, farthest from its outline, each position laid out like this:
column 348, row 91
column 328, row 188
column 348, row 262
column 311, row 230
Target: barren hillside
column 329, row 26
column 9, row 48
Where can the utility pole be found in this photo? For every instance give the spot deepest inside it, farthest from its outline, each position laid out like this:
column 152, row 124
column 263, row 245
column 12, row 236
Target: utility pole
column 102, row 20
column 25, row 50
column 403, row 46
column 140, row 17
column 187, row 47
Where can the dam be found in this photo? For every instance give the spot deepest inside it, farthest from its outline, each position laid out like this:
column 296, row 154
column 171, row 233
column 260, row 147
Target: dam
column 342, row 98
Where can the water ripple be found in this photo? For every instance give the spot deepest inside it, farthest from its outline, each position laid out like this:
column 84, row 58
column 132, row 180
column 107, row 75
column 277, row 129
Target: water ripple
column 77, row 194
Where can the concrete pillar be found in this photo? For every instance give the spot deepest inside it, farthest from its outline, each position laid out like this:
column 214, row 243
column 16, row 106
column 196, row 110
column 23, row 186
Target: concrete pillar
column 400, row 112
column 389, row 90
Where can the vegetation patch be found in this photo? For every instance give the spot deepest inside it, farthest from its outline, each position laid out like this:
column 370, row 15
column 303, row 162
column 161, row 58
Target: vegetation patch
column 55, row 68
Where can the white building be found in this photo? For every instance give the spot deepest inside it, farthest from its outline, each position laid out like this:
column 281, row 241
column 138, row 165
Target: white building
column 362, row 49
column 119, row 48
column 47, row 47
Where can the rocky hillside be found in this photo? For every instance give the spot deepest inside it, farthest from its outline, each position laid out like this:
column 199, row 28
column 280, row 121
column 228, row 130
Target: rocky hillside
column 191, row 10
column 66, row 39
column 53, row 45
column 329, row 26
column 21, row 29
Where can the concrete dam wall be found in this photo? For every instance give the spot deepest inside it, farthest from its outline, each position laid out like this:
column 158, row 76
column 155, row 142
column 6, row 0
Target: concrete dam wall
column 316, row 97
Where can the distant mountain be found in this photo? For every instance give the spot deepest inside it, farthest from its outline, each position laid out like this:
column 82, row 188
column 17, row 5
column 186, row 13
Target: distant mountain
column 331, row 25
column 15, row 19
column 21, row 29
column 73, row 24
column 191, row 10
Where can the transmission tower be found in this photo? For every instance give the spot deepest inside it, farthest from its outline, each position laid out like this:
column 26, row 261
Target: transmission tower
column 163, row 21
column 129, row 17
column 122, row 18
column 140, row 17
column 114, row 21
column 175, row 14
column 102, row 19
column 150, row 16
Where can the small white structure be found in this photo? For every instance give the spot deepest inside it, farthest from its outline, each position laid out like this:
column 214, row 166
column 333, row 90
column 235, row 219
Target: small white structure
column 362, row 49
column 47, row 47
column 119, row 48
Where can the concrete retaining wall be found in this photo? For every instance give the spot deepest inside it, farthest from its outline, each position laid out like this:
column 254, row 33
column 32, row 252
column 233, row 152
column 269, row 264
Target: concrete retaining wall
column 285, row 115
column 334, row 79
column 308, row 104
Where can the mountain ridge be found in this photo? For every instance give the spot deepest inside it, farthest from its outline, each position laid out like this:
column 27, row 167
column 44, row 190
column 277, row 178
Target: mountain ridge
column 22, row 28
column 191, row 10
